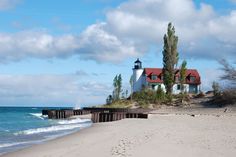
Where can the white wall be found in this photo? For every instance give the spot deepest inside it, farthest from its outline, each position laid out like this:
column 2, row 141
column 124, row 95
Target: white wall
column 176, row 91
column 138, row 80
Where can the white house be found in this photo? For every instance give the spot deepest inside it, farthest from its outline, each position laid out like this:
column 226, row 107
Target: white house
column 153, row 77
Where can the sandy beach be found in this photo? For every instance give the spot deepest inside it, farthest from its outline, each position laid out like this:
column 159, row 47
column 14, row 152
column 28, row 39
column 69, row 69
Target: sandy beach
column 167, row 132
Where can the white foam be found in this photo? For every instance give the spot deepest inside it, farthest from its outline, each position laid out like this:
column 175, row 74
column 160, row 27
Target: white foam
column 38, row 115
column 12, row 144
column 74, row 121
column 51, row 129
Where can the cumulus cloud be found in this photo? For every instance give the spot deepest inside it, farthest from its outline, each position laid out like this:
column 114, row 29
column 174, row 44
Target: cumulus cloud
column 129, row 31
column 94, row 44
column 8, row 4
column 38, row 44
column 49, row 90
column 202, row 32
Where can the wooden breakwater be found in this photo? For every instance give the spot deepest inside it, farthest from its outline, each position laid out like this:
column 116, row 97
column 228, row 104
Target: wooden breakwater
column 64, row 113
column 99, row 114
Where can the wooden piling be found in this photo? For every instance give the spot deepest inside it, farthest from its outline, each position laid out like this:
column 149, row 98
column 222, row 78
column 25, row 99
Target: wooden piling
column 98, row 114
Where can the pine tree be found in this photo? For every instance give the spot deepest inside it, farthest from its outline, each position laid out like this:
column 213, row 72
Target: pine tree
column 183, row 70
column 170, row 58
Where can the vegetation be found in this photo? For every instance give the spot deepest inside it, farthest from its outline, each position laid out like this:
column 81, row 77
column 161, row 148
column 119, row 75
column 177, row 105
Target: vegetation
column 147, row 96
column 229, row 72
column 117, row 83
column 216, row 88
column 228, row 95
column 109, row 99
column 183, row 70
column 131, row 87
column 116, row 94
column 119, row 104
column 170, row 58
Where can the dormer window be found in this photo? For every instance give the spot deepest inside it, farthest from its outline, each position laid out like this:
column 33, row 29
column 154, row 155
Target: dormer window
column 192, row 78
column 153, row 77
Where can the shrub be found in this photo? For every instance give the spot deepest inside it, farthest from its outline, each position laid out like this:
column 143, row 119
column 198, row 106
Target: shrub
column 200, row 95
column 147, row 96
column 227, row 97
column 160, row 94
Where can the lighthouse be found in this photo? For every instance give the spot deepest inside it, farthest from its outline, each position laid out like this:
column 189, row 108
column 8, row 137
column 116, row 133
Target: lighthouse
column 138, row 79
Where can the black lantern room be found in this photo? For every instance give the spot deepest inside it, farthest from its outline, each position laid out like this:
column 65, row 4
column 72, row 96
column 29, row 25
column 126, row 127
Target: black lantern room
column 138, row 64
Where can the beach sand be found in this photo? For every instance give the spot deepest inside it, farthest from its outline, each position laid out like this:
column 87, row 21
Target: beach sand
column 167, row 133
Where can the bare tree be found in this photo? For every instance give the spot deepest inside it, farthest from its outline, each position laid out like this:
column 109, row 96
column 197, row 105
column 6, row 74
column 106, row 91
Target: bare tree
column 229, row 72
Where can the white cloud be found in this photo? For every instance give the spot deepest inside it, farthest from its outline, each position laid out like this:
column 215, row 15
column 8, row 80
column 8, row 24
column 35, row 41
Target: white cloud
column 94, row 43
column 129, row 31
column 145, row 22
column 8, row 4
column 49, row 90
column 98, row 44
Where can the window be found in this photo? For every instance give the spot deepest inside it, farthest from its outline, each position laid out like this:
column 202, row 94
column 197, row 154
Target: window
column 154, row 77
column 192, row 78
column 178, row 87
column 153, row 86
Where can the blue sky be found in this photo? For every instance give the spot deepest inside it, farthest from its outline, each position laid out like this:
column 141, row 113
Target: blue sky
column 66, row 53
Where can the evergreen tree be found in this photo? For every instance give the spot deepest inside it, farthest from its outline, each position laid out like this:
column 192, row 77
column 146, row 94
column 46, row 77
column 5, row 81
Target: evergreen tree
column 183, row 70
column 170, row 58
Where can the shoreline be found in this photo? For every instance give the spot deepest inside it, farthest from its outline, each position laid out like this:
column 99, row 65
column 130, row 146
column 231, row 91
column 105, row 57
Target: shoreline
column 41, row 135
column 171, row 134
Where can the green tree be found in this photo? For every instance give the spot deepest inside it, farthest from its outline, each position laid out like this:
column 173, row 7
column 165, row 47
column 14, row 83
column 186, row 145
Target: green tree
column 117, row 83
column 160, row 94
column 170, row 58
column 183, row 70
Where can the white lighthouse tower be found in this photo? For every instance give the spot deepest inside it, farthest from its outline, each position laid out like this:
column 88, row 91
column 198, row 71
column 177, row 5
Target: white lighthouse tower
column 138, row 79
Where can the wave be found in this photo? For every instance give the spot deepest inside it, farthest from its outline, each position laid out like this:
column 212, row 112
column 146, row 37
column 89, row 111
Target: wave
column 74, row 121
column 12, row 144
column 39, row 115
column 51, row 129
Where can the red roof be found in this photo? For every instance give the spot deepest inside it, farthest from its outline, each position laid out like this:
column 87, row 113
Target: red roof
column 192, row 75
